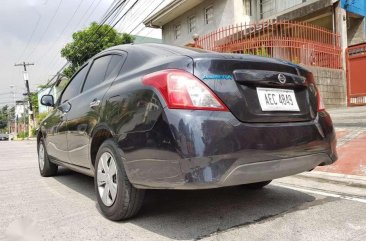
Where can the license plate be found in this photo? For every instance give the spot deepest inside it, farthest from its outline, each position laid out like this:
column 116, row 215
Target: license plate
column 277, row 99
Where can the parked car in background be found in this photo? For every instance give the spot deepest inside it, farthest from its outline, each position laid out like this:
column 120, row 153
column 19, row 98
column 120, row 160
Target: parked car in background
column 4, row 137
column 155, row 116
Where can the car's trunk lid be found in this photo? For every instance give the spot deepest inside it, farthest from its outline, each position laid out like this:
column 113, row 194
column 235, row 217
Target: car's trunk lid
column 243, row 81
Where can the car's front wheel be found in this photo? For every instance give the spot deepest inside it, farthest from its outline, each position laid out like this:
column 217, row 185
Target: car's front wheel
column 116, row 196
column 46, row 168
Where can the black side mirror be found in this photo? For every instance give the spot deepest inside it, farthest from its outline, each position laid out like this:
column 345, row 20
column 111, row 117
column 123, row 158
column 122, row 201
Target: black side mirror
column 47, row 100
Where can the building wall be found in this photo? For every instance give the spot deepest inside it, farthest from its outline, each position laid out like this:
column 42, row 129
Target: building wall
column 356, row 31
column 228, row 12
column 268, row 9
column 225, row 12
column 331, row 85
column 331, row 82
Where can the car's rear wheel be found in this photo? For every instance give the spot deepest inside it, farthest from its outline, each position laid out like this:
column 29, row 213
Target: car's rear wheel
column 256, row 185
column 46, row 168
column 116, row 196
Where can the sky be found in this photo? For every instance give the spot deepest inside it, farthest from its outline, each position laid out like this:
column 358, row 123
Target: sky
column 34, row 31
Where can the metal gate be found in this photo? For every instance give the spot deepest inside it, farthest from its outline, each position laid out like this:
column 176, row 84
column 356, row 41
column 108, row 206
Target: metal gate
column 356, row 75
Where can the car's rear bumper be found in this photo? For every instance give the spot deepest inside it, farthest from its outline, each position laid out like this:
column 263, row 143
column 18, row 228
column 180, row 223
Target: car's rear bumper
column 238, row 173
column 198, row 149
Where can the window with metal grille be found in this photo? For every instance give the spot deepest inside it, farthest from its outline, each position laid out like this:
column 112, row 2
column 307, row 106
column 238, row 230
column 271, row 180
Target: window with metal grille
column 177, row 31
column 209, row 15
column 266, row 8
column 247, row 7
column 192, row 24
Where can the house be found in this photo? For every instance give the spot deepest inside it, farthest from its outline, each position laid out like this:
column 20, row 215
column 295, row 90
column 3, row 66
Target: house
column 181, row 19
column 313, row 33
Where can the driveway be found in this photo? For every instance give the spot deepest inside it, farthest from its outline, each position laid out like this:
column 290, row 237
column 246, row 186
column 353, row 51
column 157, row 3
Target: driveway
column 64, row 208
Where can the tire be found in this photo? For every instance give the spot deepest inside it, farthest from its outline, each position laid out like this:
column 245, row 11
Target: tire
column 46, row 168
column 125, row 201
column 256, row 185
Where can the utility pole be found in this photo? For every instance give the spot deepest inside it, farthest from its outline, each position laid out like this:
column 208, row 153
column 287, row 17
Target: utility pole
column 25, row 75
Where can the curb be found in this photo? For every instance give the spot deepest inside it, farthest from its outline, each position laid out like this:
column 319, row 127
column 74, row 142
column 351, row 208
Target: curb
column 348, row 180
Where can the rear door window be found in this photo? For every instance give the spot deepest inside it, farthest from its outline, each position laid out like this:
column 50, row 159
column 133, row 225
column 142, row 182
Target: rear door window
column 97, row 72
column 114, row 67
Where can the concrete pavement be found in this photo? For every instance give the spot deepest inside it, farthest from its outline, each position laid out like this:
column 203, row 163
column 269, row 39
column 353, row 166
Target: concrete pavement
column 64, row 208
column 350, row 124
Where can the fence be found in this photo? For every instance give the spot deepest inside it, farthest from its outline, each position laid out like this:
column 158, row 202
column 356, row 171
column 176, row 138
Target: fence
column 298, row 42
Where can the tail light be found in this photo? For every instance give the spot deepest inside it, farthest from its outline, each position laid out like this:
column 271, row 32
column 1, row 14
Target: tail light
column 320, row 103
column 182, row 90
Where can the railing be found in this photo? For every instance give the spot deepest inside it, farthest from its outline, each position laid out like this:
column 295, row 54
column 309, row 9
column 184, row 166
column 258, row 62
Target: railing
column 298, row 42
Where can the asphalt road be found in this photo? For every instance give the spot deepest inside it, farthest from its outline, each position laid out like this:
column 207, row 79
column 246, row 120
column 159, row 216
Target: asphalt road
column 64, row 208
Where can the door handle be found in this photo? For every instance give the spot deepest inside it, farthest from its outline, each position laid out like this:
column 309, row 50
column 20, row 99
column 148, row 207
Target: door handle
column 94, row 103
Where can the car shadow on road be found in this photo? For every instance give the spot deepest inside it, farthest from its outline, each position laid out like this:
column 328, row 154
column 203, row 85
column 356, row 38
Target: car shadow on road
column 78, row 182
column 178, row 214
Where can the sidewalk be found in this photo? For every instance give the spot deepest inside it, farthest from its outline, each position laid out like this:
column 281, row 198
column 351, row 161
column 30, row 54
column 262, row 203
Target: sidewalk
column 331, row 183
column 350, row 124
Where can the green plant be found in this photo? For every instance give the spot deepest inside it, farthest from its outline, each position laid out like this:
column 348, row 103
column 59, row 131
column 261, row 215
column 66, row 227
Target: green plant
column 22, row 135
column 41, row 116
column 247, row 51
column 295, row 60
column 34, row 100
column 33, row 132
column 258, row 51
column 262, row 52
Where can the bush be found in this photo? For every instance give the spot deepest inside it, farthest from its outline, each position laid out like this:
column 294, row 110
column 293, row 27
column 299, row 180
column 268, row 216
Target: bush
column 33, row 132
column 22, row 135
column 41, row 116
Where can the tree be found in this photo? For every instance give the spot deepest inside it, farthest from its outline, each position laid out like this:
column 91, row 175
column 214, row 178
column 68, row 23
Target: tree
column 3, row 117
column 34, row 101
column 3, row 124
column 88, row 42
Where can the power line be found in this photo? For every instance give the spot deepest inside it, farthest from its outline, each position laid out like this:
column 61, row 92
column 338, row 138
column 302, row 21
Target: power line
column 119, row 19
column 44, row 32
column 31, row 36
column 110, row 13
column 147, row 17
column 117, row 13
column 114, row 8
column 100, row 24
column 78, row 24
column 118, row 5
column 87, row 10
column 111, row 10
column 135, row 16
column 91, row 13
column 55, row 57
column 64, row 29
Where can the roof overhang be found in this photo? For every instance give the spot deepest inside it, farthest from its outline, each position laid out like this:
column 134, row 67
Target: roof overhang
column 308, row 9
column 170, row 12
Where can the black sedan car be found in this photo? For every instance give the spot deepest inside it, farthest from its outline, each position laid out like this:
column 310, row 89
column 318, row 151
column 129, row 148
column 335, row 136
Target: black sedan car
column 155, row 116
